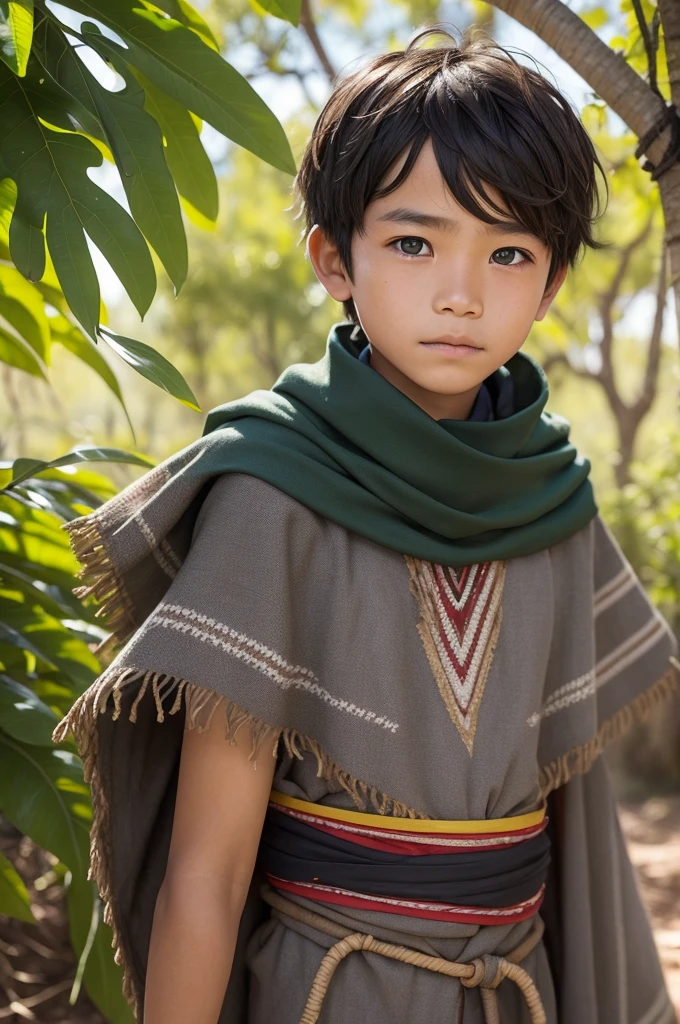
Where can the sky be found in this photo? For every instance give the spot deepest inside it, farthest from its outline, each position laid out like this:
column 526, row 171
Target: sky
column 284, row 96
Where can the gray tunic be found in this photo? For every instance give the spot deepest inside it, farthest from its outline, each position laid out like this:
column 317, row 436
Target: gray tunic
column 334, row 646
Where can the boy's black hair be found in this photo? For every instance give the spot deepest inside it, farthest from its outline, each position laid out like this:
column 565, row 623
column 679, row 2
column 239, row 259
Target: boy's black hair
column 490, row 118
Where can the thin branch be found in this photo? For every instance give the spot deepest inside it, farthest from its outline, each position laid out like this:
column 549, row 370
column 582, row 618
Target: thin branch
column 651, row 378
column 650, row 41
column 606, row 305
column 562, row 359
column 607, row 73
column 307, row 22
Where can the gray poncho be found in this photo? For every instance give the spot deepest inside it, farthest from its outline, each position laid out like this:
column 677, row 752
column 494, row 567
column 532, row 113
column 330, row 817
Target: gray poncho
column 331, row 645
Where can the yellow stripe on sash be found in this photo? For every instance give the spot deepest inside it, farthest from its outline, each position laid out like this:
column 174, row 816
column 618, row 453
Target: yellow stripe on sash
column 434, row 825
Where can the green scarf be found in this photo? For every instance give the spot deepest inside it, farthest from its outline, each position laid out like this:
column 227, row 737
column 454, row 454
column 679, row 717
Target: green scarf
column 346, row 443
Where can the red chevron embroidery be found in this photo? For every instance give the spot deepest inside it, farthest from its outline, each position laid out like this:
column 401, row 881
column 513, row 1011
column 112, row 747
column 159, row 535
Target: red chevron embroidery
column 461, row 613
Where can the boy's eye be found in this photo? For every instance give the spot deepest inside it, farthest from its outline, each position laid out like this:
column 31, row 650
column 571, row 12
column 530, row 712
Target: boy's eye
column 411, row 246
column 508, row 262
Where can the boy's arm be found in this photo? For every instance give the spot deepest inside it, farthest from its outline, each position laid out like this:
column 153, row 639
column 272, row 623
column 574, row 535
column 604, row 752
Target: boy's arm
column 219, row 812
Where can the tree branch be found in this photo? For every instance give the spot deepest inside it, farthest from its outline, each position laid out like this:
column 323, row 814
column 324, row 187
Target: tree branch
column 608, row 74
column 650, row 40
column 651, row 378
column 606, row 305
column 562, row 359
column 307, row 22
column 670, row 19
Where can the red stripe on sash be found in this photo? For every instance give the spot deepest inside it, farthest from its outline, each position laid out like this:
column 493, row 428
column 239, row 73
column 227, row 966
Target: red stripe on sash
column 380, row 837
column 413, row 908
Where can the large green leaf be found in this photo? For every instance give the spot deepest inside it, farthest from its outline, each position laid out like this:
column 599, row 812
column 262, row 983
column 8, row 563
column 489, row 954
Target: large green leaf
column 182, row 11
column 22, row 306
column 43, row 793
column 42, row 560
column 27, row 241
column 181, row 65
column 22, row 469
column 83, row 483
column 152, row 365
column 14, row 638
column 189, row 163
column 56, row 644
column 91, row 939
column 50, row 170
column 8, row 198
column 13, row 578
column 16, row 33
column 23, row 715
column 59, row 106
column 18, row 353
column 136, row 143
column 14, row 901
column 287, row 10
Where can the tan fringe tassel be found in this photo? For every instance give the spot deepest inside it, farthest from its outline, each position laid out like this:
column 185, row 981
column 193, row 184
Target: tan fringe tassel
column 101, row 580
column 580, row 759
column 200, row 706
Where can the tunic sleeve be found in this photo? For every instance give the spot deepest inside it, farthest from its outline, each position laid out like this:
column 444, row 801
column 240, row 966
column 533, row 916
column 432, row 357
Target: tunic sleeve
column 613, row 656
column 603, row 957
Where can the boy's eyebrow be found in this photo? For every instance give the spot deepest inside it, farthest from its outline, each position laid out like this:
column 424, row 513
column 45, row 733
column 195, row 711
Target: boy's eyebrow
column 403, row 215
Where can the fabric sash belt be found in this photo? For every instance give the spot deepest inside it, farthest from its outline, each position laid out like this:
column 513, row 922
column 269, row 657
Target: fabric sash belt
column 484, row 872
column 485, row 972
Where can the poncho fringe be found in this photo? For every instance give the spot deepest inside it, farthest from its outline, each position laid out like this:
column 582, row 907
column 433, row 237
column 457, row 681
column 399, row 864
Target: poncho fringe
column 103, row 582
column 579, row 760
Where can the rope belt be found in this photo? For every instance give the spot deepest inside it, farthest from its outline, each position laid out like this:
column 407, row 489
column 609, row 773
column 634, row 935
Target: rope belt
column 485, row 972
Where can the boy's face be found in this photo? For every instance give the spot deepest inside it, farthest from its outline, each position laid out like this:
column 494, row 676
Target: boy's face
column 425, row 269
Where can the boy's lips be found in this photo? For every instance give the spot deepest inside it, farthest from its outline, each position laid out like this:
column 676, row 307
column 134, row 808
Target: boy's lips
column 458, row 345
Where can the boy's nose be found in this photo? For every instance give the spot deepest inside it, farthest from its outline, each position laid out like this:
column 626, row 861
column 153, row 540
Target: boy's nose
column 460, row 294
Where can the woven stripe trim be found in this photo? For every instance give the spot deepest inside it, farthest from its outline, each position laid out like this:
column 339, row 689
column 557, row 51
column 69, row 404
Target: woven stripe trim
column 382, row 838
column 314, row 890
column 260, row 657
column 428, row 826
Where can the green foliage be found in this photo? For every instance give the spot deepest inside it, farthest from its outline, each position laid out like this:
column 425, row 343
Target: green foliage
column 14, row 900
column 287, row 10
column 631, row 45
column 646, row 517
column 46, row 661
column 153, row 366
column 16, row 31
column 59, row 120
column 251, row 306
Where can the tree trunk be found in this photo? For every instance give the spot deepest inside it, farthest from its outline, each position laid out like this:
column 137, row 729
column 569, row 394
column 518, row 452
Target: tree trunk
column 669, row 182
column 620, row 87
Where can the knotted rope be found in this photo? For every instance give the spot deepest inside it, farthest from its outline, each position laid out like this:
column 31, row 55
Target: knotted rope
column 485, row 972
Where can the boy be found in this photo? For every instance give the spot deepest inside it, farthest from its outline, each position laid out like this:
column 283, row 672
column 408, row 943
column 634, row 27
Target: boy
column 386, row 581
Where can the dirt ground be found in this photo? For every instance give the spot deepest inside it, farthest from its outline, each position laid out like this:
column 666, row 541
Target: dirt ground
column 652, row 831
column 37, row 966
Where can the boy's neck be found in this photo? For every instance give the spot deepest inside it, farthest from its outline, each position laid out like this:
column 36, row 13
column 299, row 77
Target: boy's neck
column 439, row 407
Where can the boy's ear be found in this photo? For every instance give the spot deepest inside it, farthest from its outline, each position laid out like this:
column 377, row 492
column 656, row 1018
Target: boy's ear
column 551, row 292
column 328, row 266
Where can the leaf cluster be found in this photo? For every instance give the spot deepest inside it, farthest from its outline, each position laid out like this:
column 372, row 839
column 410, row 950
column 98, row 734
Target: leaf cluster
column 47, row 658
column 131, row 83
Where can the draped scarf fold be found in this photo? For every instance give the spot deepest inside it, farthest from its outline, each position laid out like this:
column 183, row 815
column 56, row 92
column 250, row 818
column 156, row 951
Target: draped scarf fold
column 349, row 445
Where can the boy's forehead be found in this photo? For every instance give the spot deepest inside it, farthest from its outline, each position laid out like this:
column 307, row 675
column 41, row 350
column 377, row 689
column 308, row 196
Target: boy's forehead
column 424, row 198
